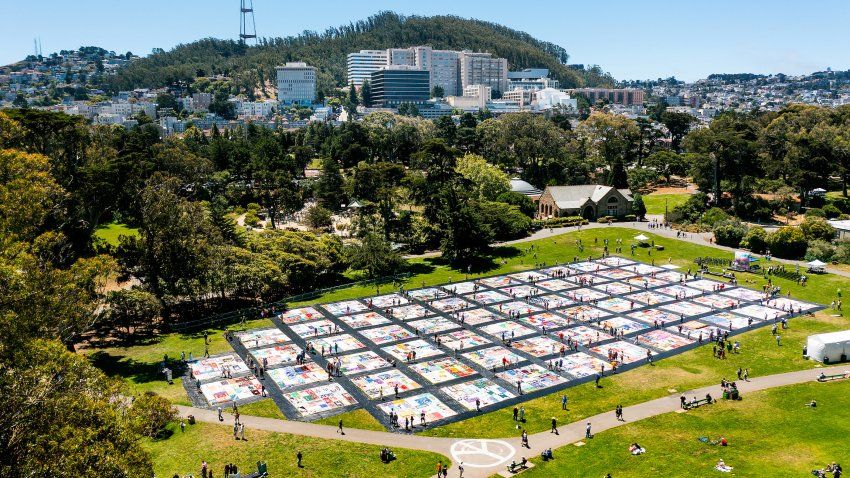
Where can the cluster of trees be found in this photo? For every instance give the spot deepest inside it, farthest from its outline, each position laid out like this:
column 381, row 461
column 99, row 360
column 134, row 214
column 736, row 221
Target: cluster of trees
column 254, row 67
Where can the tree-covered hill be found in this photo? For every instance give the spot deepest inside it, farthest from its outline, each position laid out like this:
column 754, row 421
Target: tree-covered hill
column 327, row 51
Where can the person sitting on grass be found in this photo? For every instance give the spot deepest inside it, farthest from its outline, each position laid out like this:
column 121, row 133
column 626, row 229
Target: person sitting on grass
column 636, row 449
column 812, row 404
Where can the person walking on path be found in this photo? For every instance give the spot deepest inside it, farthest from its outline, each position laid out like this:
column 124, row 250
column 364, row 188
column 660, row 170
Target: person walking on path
column 340, row 431
column 525, row 439
column 619, row 413
column 242, row 431
column 587, row 431
column 554, row 426
column 564, row 402
column 460, row 470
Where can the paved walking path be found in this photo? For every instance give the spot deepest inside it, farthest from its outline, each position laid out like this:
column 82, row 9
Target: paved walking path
column 494, row 454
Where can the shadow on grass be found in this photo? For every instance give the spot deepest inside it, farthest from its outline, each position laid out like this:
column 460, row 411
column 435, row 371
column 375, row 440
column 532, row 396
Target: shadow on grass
column 139, row 372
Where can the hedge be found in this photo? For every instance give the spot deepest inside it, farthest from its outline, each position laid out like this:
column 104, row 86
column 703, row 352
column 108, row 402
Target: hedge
column 561, row 221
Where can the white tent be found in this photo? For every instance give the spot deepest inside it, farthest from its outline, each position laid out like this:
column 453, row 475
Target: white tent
column 829, row 348
column 816, row 263
column 641, row 238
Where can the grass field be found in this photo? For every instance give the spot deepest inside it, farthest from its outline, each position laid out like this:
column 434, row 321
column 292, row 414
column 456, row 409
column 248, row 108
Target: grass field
column 354, row 419
column 138, row 364
column 770, row 433
column 655, row 202
column 110, row 233
column 183, row 452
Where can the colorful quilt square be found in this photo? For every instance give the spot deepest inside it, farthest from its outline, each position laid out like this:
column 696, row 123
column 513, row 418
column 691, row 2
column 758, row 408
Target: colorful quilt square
column 410, row 312
column 412, row 407
column 429, row 293
column 529, row 276
column 760, row 312
column 716, row 301
column 688, row 309
column 532, row 377
column 335, row 344
column 463, row 340
column 493, row 357
column 552, row 301
column 252, row 339
column 616, row 304
column 384, row 301
column 650, row 298
column 586, row 335
column 614, row 261
column 643, row 269
column 507, row 329
column 789, row 305
column 231, row 390
column 650, row 316
column 742, row 293
column 422, row 348
column 728, row 320
column 587, row 279
column 384, row 382
column 581, row 365
column 585, row 313
column 586, row 295
column 537, row 346
column 555, row 285
column 615, row 288
column 546, row 319
column 672, row 276
column 387, row 334
column 276, row 355
column 366, row 319
column 616, row 274
column 442, row 370
column 517, row 307
column 688, row 327
column 626, row 352
column 215, row 367
column 487, row 297
column 481, row 392
column 450, row 304
column 297, row 375
column 346, row 307
column 557, row 271
column 679, row 291
column 478, row 316
column 707, row 285
column 621, row 324
column 646, row 282
column 301, row 314
column 309, row 330
column 520, row 291
column 463, row 287
column 499, row 281
column 433, row 325
column 663, row 340
column 323, row 399
column 587, row 266
column 361, row 362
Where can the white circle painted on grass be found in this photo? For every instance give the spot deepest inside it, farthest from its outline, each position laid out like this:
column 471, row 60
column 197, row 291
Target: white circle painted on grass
column 482, row 453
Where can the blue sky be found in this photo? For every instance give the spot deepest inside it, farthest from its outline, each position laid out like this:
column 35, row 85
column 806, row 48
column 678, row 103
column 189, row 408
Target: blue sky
column 631, row 39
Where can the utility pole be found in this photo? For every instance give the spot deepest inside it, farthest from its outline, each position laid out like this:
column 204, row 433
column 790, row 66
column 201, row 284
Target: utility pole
column 247, row 26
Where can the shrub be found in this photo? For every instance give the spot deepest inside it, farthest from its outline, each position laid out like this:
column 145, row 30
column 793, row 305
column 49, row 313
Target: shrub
column 630, row 218
column 831, row 211
column 606, row 219
column 561, row 221
column 252, row 206
column 150, row 414
column 729, row 233
column 638, row 207
column 816, row 228
column 525, row 204
column 251, row 218
column 505, row 220
column 714, row 216
column 816, row 201
column 788, row 242
column 815, row 212
column 318, row 217
column 820, row 250
column 755, row 240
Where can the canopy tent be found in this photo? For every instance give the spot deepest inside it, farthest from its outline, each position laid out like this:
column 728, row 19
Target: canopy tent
column 816, row 266
column 641, row 238
column 831, row 347
column 745, row 256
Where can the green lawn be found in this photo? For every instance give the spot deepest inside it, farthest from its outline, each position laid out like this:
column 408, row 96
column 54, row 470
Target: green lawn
column 770, row 433
column 655, row 202
column 696, row 368
column 110, row 233
column 183, row 452
column 261, row 408
column 359, row 418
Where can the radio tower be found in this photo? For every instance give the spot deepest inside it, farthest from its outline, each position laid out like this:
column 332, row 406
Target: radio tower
column 247, row 26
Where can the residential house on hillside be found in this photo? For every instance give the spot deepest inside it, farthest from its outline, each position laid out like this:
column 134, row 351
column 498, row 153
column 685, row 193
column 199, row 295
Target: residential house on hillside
column 590, row 201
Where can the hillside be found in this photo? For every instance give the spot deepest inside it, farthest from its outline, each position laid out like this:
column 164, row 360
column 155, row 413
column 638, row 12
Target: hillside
column 249, row 65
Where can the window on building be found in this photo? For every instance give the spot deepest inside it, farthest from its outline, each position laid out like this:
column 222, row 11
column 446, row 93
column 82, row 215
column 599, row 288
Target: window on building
column 613, row 208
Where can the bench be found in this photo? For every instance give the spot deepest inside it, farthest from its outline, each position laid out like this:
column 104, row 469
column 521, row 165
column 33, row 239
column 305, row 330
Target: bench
column 517, row 469
column 830, row 378
column 697, row 403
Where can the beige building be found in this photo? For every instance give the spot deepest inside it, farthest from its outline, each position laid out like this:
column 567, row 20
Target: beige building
column 483, row 69
column 590, row 201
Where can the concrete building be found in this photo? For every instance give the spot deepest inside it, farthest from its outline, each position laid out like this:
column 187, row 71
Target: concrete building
column 617, row 96
column 531, row 79
column 296, row 83
column 590, row 201
column 483, row 69
column 522, row 97
column 394, row 85
column 362, row 64
column 549, row 98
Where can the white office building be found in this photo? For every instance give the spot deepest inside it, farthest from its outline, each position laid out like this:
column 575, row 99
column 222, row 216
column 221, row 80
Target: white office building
column 548, row 98
column 296, row 83
column 362, row 64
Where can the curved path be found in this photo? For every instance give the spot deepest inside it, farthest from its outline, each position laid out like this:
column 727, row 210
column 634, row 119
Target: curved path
column 491, row 455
